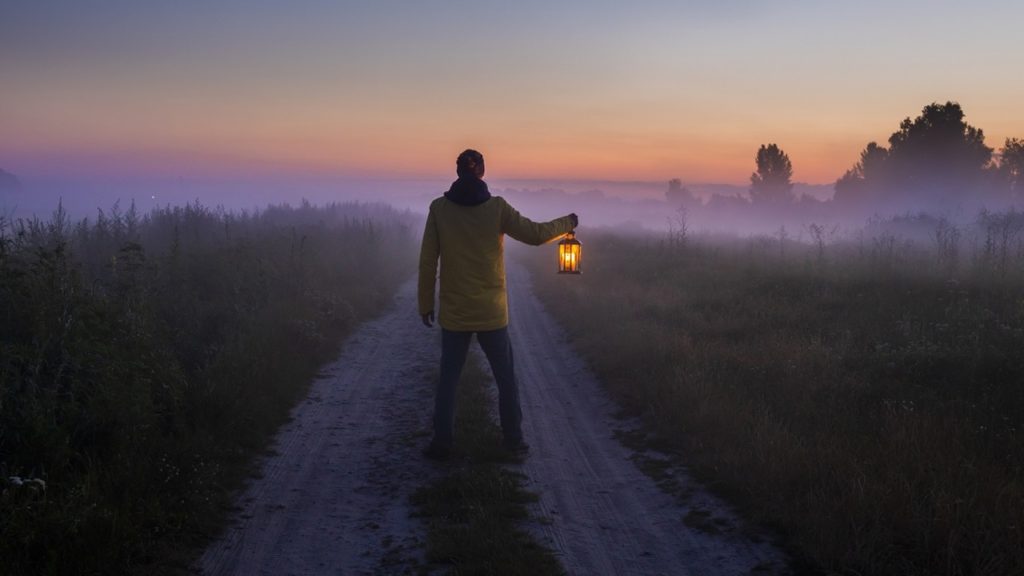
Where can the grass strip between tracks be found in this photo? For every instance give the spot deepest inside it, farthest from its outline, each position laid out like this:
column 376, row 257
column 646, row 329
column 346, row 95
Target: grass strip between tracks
column 474, row 514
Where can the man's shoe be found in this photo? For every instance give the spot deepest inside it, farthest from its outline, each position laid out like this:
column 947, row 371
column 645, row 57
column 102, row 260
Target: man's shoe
column 436, row 452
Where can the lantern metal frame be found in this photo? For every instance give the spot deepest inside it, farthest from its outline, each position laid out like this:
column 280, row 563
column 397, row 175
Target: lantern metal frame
column 570, row 253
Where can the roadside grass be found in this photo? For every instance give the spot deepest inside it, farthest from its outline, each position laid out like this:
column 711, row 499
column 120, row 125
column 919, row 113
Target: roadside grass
column 475, row 512
column 145, row 360
column 867, row 403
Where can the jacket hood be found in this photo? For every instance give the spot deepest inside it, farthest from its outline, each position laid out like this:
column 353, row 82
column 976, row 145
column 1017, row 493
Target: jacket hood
column 468, row 192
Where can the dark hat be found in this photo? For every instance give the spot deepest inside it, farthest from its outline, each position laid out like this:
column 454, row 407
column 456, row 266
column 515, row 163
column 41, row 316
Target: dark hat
column 470, row 164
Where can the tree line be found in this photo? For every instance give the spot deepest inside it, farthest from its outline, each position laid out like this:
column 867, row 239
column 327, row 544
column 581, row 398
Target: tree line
column 935, row 159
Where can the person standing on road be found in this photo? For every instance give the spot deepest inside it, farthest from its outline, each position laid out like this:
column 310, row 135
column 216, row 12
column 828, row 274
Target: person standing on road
column 465, row 230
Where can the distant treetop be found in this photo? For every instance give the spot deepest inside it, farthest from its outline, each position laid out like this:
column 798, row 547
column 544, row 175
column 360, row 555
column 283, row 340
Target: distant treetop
column 936, row 156
column 772, row 183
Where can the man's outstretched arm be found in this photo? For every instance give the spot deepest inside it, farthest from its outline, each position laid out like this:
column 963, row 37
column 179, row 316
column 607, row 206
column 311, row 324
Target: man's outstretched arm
column 535, row 233
column 430, row 250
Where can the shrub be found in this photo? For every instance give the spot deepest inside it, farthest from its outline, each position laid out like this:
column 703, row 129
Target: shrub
column 146, row 359
column 870, row 411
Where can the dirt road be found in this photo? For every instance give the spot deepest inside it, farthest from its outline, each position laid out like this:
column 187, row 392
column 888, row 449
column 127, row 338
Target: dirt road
column 334, row 498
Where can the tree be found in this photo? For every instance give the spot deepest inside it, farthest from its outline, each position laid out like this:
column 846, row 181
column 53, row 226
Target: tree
column 772, row 181
column 1011, row 165
column 935, row 156
column 679, row 194
column 854, row 184
column 938, row 150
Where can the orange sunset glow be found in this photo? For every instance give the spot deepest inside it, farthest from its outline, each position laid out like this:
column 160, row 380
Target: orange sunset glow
column 608, row 93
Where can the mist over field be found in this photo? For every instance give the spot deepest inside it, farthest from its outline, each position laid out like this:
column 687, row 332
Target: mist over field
column 936, row 164
column 630, row 207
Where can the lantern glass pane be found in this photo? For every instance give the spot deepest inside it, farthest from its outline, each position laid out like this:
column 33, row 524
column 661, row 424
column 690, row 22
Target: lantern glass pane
column 569, row 254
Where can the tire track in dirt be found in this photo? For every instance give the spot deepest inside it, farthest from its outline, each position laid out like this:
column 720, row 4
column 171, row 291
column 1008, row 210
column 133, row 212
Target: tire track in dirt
column 334, row 496
column 598, row 511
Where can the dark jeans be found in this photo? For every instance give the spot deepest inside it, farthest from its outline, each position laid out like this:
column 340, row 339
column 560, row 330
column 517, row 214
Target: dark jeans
column 498, row 349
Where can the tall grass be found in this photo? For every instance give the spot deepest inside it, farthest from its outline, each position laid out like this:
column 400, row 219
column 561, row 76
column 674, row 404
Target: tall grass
column 864, row 396
column 144, row 360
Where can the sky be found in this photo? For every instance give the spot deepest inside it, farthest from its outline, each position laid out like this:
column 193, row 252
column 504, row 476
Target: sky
column 577, row 89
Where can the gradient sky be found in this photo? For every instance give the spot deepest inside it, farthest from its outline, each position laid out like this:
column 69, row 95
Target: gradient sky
column 581, row 89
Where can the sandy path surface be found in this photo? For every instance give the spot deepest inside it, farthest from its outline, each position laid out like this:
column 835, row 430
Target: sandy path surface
column 334, row 497
column 599, row 512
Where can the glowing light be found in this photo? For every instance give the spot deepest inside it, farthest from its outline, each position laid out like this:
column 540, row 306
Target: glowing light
column 570, row 253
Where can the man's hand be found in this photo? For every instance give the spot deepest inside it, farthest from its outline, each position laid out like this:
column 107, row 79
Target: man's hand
column 575, row 220
column 428, row 319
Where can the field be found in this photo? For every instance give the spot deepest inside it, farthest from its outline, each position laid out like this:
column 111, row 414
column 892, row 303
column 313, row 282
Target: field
column 862, row 395
column 146, row 359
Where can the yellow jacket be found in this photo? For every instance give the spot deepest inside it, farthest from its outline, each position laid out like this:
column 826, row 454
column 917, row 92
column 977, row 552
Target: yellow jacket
column 469, row 241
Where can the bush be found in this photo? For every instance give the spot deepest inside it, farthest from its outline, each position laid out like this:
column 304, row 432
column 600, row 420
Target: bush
column 868, row 407
column 146, row 360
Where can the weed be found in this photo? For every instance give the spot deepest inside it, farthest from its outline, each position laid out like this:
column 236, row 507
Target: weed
column 145, row 360
column 869, row 406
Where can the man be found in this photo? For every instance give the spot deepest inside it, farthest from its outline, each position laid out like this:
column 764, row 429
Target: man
column 465, row 229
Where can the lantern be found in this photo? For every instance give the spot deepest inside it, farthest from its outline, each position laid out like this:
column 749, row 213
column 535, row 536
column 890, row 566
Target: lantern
column 569, row 254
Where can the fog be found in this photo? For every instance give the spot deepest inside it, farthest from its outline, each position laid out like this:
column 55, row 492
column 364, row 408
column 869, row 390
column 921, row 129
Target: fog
column 81, row 198
column 636, row 206
column 630, row 207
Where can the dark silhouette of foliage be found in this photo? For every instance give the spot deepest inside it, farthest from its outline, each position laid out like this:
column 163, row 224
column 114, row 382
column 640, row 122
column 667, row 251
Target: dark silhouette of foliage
column 938, row 146
column 1011, row 166
column 936, row 156
column 679, row 194
column 145, row 359
column 871, row 168
column 772, row 181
